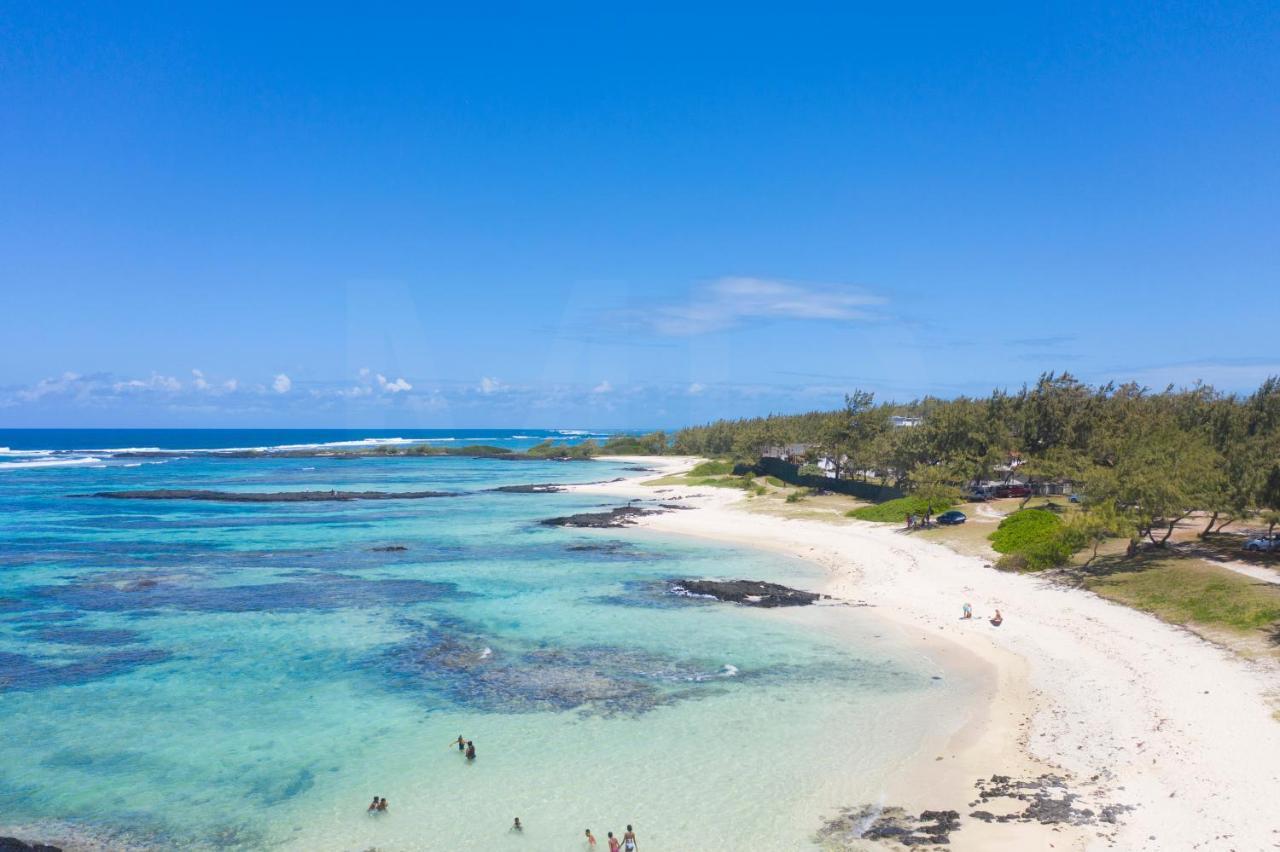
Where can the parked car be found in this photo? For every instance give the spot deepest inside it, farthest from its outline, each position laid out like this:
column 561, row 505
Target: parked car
column 1261, row 544
column 977, row 495
column 1013, row 491
column 951, row 518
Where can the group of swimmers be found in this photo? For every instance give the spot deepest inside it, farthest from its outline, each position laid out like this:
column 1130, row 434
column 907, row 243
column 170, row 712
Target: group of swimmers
column 628, row 842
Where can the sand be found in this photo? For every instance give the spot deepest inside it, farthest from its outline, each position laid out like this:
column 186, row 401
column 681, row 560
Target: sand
column 1128, row 709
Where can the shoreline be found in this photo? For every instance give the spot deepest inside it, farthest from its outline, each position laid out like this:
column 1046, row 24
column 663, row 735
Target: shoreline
column 1131, row 711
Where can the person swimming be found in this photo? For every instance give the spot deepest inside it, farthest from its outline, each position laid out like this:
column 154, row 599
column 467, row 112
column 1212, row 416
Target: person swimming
column 382, row 805
column 373, row 806
column 629, row 841
column 471, row 750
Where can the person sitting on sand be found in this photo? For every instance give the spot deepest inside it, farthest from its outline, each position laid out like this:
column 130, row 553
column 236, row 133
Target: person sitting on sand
column 516, row 826
column 614, row 845
column 373, row 806
column 382, row 805
column 968, row 611
column 997, row 620
column 629, row 841
column 471, row 750
column 591, row 839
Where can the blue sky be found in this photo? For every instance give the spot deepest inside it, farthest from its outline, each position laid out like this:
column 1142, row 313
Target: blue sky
column 596, row 215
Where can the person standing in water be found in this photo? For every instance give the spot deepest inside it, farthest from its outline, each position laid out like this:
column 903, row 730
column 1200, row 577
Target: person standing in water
column 471, row 750
column 591, row 839
column 373, row 806
column 462, row 744
column 629, row 841
column 516, row 826
column 614, row 845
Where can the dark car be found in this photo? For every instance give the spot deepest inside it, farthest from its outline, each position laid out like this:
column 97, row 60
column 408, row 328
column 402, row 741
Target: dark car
column 951, row 518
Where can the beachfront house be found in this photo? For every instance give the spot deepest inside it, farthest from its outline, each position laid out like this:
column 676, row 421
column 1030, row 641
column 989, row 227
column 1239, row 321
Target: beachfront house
column 794, row 453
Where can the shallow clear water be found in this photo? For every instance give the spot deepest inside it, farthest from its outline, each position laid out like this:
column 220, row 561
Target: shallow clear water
column 204, row 675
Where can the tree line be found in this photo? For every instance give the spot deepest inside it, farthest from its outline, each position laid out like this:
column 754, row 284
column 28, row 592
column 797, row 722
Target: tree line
column 1143, row 460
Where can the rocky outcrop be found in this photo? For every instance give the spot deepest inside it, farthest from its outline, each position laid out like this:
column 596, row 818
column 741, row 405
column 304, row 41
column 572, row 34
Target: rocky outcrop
column 266, row 496
column 536, row 488
column 13, row 844
column 747, row 592
column 619, row 517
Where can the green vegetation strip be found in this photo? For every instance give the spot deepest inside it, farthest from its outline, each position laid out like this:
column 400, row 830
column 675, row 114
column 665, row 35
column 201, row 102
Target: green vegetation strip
column 1194, row 592
column 896, row 511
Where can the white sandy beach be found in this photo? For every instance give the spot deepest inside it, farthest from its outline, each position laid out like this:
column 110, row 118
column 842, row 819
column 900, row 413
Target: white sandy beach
column 1129, row 709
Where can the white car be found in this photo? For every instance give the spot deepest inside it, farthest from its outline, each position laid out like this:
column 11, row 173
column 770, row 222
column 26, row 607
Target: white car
column 1263, row 543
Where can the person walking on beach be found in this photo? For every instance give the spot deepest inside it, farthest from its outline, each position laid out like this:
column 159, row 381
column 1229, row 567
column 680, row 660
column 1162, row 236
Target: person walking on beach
column 591, row 839
column 614, row 845
column 911, row 520
column 629, row 841
column 968, row 611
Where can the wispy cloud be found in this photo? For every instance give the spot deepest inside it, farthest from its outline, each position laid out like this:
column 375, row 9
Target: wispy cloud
column 728, row 302
column 603, row 387
column 282, row 383
column 489, row 385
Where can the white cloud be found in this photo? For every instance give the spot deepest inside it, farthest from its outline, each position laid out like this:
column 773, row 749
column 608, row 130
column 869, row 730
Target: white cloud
column 198, row 380
column 603, row 387
column 157, row 382
column 729, row 301
column 45, row 387
column 490, row 385
column 282, row 383
column 393, row 387
column 696, row 388
column 230, row 385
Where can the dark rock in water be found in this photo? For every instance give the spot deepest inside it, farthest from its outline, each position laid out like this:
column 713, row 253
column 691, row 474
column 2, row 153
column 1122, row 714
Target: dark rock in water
column 611, row 547
column 536, row 488
column 748, row 592
column 619, row 517
column 891, row 824
column 13, row 844
column 389, row 548
column 641, row 469
column 266, row 496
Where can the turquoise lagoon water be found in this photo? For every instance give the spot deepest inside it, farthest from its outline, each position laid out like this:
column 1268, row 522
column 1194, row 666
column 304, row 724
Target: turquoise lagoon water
column 183, row 675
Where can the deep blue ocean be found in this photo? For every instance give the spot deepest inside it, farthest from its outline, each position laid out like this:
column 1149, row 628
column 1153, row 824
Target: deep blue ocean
column 184, row 674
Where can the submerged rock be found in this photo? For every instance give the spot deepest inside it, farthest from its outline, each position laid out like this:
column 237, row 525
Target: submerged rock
column 536, row 488
column 619, row 517
column 266, row 496
column 13, row 844
column 747, row 592
column 389, row 548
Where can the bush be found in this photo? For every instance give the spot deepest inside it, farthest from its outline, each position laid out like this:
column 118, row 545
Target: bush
column 1035, row 539
column 896, row 511
column 775, row 482
column 799, row 494
column 712, row 468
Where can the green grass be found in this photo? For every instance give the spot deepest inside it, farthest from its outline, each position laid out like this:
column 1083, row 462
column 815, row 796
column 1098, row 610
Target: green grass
column 1194, row 592
column 896, row 511
column 775, row 482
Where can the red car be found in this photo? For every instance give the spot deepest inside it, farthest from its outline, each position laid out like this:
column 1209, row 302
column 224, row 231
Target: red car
column 1013, row 491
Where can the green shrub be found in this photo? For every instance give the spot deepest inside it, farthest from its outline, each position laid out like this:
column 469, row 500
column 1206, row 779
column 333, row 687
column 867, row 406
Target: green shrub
column 896, row 511
column 775, row 482
column 1023, row 529
column 712, row 468
column 799, row 494
column 1035, row 539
